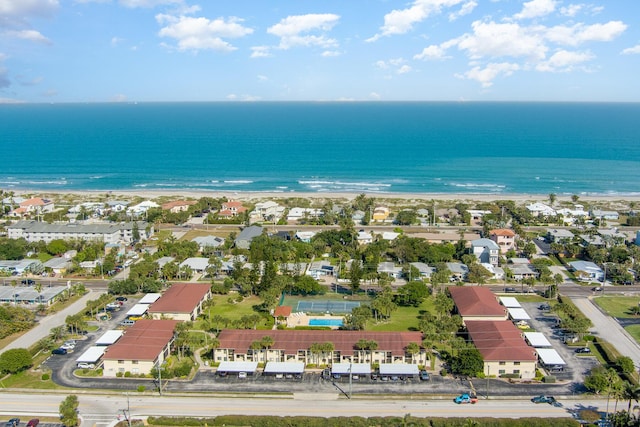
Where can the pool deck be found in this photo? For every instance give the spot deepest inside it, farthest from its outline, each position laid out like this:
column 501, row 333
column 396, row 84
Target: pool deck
column 302, row 319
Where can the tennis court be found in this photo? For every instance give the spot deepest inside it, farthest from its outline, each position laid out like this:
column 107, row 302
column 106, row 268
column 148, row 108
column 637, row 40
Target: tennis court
column 325, row 306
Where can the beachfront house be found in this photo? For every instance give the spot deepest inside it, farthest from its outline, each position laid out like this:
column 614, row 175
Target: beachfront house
column 178, row 206
column 505, row 238
column 486, row 251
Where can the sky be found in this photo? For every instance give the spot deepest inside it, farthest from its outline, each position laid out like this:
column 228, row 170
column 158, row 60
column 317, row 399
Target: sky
column 329, row 50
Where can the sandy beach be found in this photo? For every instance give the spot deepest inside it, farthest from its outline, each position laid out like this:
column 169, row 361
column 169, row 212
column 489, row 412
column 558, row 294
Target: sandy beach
column 256, row 196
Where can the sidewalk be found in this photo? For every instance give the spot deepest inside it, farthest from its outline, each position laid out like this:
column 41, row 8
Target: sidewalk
column 44, row 326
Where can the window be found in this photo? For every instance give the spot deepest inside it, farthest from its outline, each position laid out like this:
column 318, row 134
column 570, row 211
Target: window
column 501, row 371
column 516, row 371
column 120, row 362
column 516, row 363
column 135, row 362
column 502, row 363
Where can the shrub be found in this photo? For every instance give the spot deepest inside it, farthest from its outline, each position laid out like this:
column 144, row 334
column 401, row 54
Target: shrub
column 141, row 389
column 119, row 374
column 15, row 360
column 443, row 372
column 127, row 374
column 45, row 377
column 549, row 379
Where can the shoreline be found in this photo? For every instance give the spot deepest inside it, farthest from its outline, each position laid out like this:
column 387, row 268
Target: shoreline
column 331, row 195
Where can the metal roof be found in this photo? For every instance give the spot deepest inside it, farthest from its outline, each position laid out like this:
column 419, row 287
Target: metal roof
column 537, row 339
column 549, row 357
column 284, row 368
column 238, row 366
column 138, row 310
column 518, row 313
column 149, row 298
column 91, row 355
column 398, row 369
column 355, row 368
column 510, row 302
column 109, row 337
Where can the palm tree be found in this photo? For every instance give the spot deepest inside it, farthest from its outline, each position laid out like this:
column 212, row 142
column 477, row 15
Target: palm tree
column 266, row 343
column 413, row 349
column 315, row 349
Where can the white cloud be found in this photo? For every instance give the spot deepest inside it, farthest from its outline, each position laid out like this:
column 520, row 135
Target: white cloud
column 490, row 39
column 115, row 41
column 401, row 21
column 536, row 9
column 27, row 8
column 31, row 35
column 10, row 101
column 260, row 52
column 563, row 61
column 374, row 95
column 466, row 9
column 580, row 33
column 293, row 30
column 433, row 52
column 635, row 50
column 262, row 78
column 199, row 33
column 486, row 75
column 404, row 69
column 330, row 53
column 571, row 10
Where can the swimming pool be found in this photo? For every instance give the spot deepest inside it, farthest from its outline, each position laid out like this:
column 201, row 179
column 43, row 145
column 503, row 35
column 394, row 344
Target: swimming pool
column 325, row 322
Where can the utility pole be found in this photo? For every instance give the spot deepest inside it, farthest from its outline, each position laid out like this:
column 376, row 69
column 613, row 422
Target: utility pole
column 350, row 378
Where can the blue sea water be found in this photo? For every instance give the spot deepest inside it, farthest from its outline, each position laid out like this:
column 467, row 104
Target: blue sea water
column 413, row 147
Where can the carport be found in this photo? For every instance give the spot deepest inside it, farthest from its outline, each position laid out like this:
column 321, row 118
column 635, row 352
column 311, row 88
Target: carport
column 510, row 302
column 109, row 337
column 91, row 355
column 518, row 313
column 273, row 368
column 399, row 369
column 236, row 367
column 550, row 358
column 537, row 339
column 149, row 298
column 138, row 310
column 354, row 368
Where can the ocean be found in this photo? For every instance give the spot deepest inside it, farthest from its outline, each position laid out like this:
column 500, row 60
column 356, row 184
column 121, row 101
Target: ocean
column 374, row 147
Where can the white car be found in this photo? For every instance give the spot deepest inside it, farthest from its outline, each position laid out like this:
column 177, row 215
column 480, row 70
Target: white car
column 86, row 365
column 242, row 375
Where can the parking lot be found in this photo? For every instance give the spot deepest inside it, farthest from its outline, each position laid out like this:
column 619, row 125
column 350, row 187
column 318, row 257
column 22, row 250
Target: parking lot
column 577, row 366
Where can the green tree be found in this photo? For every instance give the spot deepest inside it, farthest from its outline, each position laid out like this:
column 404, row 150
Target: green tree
column 406, row 217
column 467, row 362
column 625, row 364
column 355, row 275
column 69, row 411
column 413, row 293
column 57, row 247
column 15, row 360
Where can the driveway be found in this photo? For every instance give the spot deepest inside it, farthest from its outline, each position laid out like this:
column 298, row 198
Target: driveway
column 609, row 329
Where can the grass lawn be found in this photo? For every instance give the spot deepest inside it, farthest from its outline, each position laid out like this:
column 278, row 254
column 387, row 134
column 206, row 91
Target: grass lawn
column 236, row 310
column 29, row 379
column 403, row 318
column 634, row 331
column 617, row 306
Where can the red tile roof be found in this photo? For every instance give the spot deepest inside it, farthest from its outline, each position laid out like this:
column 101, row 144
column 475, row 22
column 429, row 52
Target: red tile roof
column 476, row 301
column 291, row 341
column 143, row 341
column 499, row 341
column 282, row 310
column 180, row 298
column 35, row 201
column 502, row 232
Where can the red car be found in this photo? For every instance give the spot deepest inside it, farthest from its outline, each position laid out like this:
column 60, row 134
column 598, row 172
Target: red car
column 33, row 423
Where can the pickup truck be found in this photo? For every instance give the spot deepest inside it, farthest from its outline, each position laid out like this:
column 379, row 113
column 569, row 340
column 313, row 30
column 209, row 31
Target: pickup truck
column 466, row 398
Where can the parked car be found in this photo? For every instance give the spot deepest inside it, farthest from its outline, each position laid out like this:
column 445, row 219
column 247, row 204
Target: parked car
column 242, row 375
column 424, row 376
column 522, row 324
column 127, row 322
column 83, row 365
column 28, row 282
column 33, row 422
column 583, row 350
column 13, row 422
column 121, row 299
column 466, row 398
column 544, row 307
column 59, row 351
column 68, row 346
column 510, row 290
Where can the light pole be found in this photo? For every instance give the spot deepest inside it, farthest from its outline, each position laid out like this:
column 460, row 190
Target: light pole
column 350, row 378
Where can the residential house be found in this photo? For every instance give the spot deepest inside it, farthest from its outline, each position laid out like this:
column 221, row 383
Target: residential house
column 267, row 211
column 390, row 235
column 182, row 301
column 27, row 295
column 90, row 209
column 34, row 231
column 604, row 214
column 364, row 237
column 37, row 205
column 586, row 271
column 540, row 209
column 476, row 215
column 296, row 345
column 205, row 242
column 141, row 208
column 178, row 206
column 145, row 345
column 321, row 268
column 196, row 264
column 497, row 272
column 58, row 265
column 231, row 209
column 390, row 269
column 424, row 269
column 522, row 269
column 559, row 235
column 296, row 214
column 458, row 270
column 117, row 205
column 243, row 240
column 486, row 251
column 503, row 349
column 505, row 238
column 380, row 213
column 612, row 236
column 475, row 303
column 20, row 267
column 305, row 236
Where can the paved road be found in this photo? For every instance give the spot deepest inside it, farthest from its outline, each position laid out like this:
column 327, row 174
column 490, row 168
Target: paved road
column 609, row 329
column 93, row 407
column 47, row 323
